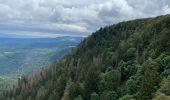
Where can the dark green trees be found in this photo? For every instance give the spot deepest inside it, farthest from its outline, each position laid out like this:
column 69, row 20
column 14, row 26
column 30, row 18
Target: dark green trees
column 150, row 79
column 126, row 61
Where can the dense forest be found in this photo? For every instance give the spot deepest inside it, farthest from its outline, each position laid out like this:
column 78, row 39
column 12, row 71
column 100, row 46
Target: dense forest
column 125, row 61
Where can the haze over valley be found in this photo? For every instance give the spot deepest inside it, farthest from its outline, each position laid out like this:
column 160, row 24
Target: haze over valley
column 22, row 56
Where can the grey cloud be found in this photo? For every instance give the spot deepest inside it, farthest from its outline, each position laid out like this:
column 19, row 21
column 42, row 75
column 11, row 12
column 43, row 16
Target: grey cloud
column 74, row 16
column 113, row 11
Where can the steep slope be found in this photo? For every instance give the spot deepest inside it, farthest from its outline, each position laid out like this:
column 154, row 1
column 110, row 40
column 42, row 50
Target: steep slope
column 129, row 60
column 21, row 56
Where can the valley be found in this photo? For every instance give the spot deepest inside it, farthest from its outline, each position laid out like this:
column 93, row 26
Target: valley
column 20, row 57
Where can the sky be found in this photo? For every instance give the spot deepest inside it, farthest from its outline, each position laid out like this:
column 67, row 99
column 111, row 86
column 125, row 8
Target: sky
column 53, row 18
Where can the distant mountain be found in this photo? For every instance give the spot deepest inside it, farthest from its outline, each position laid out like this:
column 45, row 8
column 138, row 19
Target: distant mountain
column 126, row 61
column 38, row 40
column 20, row 56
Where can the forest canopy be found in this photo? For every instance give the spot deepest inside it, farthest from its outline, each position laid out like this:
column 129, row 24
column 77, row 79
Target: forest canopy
column 125, row 61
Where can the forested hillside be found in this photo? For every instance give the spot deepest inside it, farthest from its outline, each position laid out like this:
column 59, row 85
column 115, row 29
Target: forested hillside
column 126, row 61
column 21, row 56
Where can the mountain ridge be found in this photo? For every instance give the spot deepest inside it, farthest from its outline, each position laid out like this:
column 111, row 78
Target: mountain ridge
column 128, row 60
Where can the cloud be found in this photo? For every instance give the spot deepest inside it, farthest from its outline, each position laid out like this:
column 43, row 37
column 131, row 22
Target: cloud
column 75, row 17
column 30, row 34
column 113, row 11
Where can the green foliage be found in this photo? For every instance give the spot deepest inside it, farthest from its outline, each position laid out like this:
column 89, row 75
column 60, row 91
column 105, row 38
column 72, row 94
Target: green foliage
column 127, row 69
column 161, row 96
column 133, row 85
column 112, row 80
column 91, row 81
column 76, row 89
column 109, row 95
column 164, row 64
column 126, row 61
column 150, row 79
column 127, row 97
column 94, row 96
column 165, row 86
column 78, row 98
